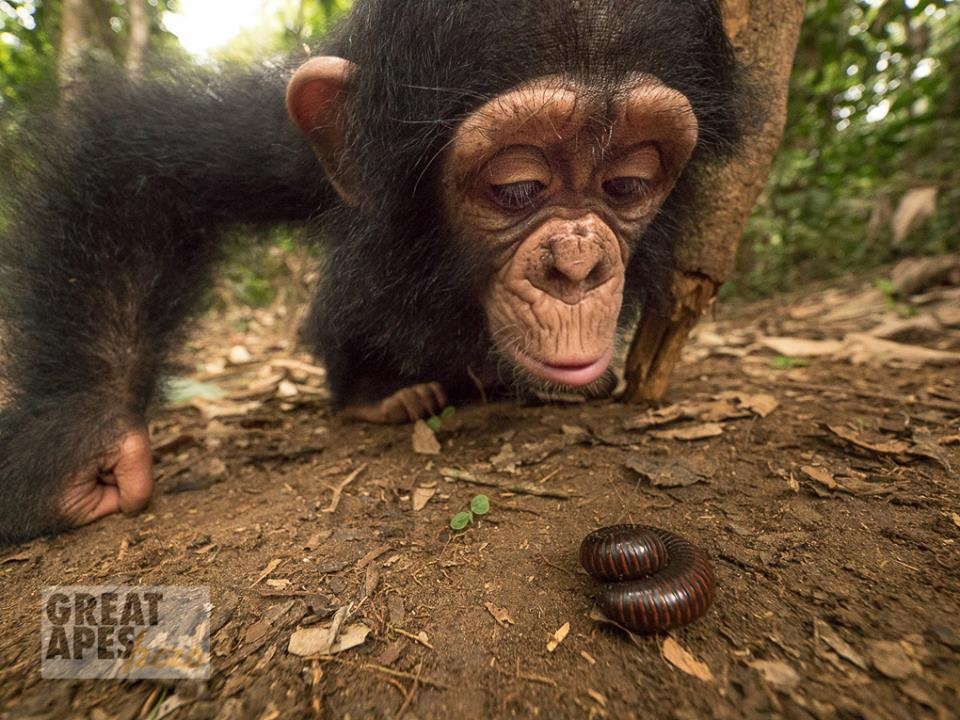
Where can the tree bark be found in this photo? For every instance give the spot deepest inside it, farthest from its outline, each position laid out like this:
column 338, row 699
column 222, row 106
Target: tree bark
column 75, row 39
column 138, row 36
column 764, row 34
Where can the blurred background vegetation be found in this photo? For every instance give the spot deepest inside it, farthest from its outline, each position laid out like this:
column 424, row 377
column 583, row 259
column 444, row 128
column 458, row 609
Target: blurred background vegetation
column 869, row 170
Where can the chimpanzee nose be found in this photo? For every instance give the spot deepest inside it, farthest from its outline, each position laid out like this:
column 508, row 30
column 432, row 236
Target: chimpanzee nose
column 570, row 266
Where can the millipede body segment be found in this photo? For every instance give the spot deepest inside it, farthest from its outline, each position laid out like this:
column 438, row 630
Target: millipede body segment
column 652, row 579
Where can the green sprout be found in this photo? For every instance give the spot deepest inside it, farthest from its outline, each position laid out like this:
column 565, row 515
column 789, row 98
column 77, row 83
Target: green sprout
column 889, row 291
column 461, row 520
column 479, row 506
column 782, row 362
column 435, row 422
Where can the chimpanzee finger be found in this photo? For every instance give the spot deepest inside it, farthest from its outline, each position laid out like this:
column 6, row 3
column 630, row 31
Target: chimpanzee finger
column 134, row 472
column 440, row 395
column 428, row 401
column 410, row 402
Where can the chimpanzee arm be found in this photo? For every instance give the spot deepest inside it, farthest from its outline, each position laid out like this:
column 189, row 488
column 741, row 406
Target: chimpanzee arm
column 112, row 236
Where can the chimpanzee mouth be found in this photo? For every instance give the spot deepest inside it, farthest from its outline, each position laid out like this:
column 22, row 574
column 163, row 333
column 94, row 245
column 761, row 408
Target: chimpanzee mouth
column 569, row 374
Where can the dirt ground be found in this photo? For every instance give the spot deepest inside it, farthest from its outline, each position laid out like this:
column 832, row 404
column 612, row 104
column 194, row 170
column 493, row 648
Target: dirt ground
column 810, row 445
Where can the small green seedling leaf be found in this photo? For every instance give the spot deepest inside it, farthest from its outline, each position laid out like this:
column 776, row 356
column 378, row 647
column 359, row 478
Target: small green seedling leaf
column 886, row 286
column 461, row 520
column 448, row 412
column 434, row 423
column 480, row 505
column 782, row 362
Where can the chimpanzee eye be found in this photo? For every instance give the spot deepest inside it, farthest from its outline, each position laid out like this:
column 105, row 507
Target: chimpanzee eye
column 518, row 195
column 625, row 188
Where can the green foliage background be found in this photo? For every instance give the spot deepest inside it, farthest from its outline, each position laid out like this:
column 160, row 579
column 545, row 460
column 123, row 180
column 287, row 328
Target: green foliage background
column 874, row 112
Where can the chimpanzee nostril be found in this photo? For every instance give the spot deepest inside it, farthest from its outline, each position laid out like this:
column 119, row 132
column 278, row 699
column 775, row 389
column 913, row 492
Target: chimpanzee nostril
column 571, row 266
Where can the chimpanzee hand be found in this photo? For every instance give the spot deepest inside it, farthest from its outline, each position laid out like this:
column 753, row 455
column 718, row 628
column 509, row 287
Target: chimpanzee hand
column 405, row 405
column 120, row 481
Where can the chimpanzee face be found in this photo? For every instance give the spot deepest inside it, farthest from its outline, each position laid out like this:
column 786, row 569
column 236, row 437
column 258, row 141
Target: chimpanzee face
column 559, row 181
column 556, row 182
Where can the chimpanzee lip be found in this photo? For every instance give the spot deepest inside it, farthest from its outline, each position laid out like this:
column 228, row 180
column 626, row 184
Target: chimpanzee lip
column 569, row 374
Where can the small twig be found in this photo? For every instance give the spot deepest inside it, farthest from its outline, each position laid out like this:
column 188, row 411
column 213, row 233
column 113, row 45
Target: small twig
column 373, row 667
column 543, row 680
column 290, row 364
column 521, row 488
column 413, row 690
column 476, row 381
column 545, row 561
column 338, row 490
column 415, row 638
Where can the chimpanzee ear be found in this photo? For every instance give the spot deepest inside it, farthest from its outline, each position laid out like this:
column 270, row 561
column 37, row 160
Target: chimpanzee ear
column 317, row 97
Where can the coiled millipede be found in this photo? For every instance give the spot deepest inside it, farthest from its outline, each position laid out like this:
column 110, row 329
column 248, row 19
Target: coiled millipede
column 653, row 580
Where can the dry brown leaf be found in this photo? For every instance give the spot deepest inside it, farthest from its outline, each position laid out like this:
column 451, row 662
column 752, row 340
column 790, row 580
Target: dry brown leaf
column 311, row 641
column 915, row 207
column 666, row 475
column 271, row 566
column 862, row 488
column 558, row 637
column 211, row 467
column 239, row 355
column 956, row 519
column 501, row 615
column 776, row 673
column 690, row 433
column 213, row 409
column 819, row 475
column 760, row 404
column 948, row 316
column 424, row 440
column 863, row 349
column 892, row 660
column 801, row 347
column 902, row 329
column 371, row 579
column 421, row 496
column 372, row 555
column 506, row 460
column 655, row 418
column 925, row 446
column 391, row 653
column 839, row 645
column 318, row 537
column 256, row 632
column 892, row 447
column 677, row 656
column 713, row 411
column 286, row 389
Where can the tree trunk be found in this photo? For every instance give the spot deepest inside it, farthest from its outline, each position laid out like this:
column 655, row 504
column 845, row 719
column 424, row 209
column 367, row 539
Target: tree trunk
column 75, row 39
column 139, row 35
column 764, row 34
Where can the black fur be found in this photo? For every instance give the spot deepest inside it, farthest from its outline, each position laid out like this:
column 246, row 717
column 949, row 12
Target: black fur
column 117, row 223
